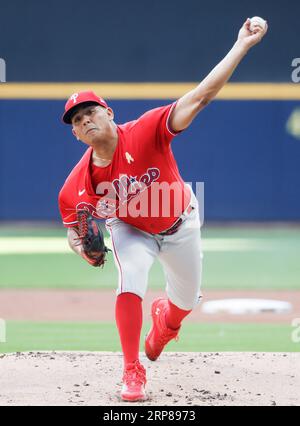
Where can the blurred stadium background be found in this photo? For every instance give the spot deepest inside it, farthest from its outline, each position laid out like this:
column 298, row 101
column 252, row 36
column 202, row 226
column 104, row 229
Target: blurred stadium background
column 245, row 147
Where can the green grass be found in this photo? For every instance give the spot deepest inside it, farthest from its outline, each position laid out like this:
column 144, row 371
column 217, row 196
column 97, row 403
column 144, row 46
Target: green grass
column 30, row 336
column 28, row 231
column 276, row 270
column 66, row 271
column 53, row 271
column 274, row 266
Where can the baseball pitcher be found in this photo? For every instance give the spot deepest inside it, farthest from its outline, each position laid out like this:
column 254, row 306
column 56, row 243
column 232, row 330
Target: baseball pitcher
column 129, row 177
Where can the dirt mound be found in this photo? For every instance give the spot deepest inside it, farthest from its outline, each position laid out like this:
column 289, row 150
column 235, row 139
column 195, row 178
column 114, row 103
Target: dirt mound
column 94, row 378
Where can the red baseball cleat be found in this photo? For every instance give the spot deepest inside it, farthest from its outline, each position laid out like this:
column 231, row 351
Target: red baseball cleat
column 134, row 381
column 159, row 334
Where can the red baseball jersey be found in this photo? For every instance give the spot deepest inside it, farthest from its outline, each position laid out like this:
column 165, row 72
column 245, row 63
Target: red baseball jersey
column 141, row 186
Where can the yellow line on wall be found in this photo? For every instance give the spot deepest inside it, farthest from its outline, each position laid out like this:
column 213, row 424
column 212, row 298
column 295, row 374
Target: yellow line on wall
column 232, row 91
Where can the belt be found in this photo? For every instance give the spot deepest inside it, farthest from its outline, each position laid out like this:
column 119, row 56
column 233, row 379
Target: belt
column 176, row 225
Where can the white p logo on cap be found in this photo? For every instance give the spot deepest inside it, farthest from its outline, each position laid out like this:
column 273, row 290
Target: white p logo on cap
column 74, row 97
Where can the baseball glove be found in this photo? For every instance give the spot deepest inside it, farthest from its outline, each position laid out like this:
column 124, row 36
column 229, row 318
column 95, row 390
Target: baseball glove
column 91, row 238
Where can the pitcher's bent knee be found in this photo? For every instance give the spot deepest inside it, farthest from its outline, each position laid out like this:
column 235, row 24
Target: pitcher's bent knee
column 185, row 303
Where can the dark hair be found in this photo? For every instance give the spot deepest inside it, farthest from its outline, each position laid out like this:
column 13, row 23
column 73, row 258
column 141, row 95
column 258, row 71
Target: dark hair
column 76, row 108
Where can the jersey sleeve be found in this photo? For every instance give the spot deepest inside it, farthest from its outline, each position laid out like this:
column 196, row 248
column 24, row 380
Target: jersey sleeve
column 68, row 213
column 154, row 126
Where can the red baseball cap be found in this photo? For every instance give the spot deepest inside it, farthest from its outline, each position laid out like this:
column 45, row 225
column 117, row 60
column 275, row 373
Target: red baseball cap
column 78, row 99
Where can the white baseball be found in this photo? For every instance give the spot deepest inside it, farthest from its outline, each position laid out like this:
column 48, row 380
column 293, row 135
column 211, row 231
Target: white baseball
column 257, row 21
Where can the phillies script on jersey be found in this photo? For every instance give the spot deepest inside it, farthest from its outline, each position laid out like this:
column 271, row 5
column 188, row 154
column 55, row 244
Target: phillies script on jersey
column 141, row 186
